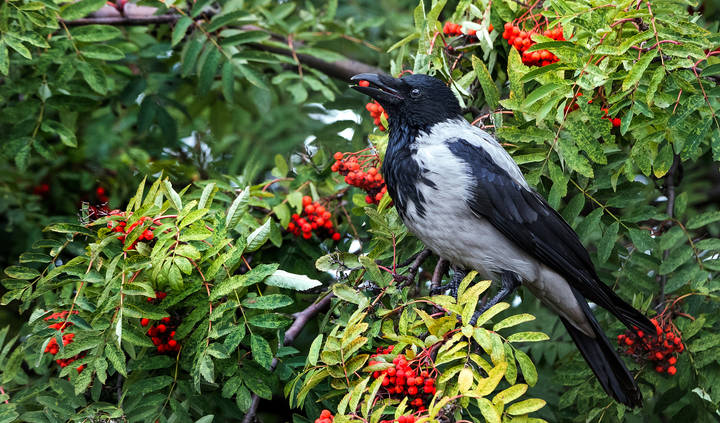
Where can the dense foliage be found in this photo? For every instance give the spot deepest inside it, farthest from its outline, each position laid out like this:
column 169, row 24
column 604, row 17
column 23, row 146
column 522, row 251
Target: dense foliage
column 257, row 269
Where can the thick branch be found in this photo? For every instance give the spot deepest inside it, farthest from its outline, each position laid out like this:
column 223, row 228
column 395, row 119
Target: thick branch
column 301, row 319
column 124, row 20
column 440, row 269
column 341, row 69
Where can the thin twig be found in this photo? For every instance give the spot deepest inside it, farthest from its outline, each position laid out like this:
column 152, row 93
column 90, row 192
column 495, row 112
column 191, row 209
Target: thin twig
column 670, row 210
column 301, row 319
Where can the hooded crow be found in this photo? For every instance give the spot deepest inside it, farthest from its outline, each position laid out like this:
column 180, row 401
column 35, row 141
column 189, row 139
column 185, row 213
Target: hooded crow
column 461, row 193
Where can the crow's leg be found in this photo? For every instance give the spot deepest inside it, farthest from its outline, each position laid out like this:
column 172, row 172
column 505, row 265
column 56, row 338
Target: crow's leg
column 459, row 274
column 510, row 282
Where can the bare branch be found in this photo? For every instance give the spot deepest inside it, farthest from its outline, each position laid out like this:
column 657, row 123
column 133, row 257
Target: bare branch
column 124, row 20
column 301, row 319
column 440, row 269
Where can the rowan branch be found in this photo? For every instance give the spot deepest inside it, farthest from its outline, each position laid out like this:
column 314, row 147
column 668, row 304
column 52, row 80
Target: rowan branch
column 301, row 319
column 124, row 20
column 340, row 69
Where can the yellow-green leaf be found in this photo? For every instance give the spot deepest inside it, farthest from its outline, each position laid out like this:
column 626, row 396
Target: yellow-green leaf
column 525, row 407
column 513, row 320
column 465, row 380
column 510, row 394
column 488, row 410
column 488, row 384
column 528, row 337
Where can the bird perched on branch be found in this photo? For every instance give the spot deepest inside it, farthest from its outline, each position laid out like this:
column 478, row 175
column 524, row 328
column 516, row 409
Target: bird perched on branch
column 462, row 194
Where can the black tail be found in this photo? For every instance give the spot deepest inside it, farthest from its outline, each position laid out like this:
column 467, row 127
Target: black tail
column 604, row 361
column 627, row 314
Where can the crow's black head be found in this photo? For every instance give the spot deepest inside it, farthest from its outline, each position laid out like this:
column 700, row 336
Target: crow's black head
column 415, row 100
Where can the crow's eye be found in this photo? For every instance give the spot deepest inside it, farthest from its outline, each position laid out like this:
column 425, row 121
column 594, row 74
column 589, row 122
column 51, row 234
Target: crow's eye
column 415, row 93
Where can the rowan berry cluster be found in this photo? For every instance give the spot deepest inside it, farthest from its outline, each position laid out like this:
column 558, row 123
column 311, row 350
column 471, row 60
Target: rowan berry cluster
column 122, row 228
column 361, row 170
column 325, row 417
column 42, row 189
column 616, row 122
column 376, row 111
column 402, row 419
column 314, row 217
column 162, row 334
column 159, row 296
column 522, row 41
column 660, row 348
column 404, row 379
column 453, row 29
column 52, row 346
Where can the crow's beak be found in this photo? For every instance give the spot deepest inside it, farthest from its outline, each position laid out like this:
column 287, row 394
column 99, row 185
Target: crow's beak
column 382, row 88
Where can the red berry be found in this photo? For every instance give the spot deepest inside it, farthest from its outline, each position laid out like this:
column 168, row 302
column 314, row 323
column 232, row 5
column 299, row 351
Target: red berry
column 161, row 328
column 412, row 390
column 364, row 83
column 144, row 322
column 671, row 370
column 172, row 343
column 336, row 236
column 306, row 200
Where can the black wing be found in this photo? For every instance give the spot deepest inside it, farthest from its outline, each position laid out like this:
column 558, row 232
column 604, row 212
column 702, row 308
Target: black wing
column 527, row 219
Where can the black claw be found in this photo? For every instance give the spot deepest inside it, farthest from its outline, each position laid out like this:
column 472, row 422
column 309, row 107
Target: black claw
column 509, row 283
column 458, row 275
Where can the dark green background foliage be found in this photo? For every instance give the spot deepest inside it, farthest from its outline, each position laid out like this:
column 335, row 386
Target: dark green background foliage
column 218, row 98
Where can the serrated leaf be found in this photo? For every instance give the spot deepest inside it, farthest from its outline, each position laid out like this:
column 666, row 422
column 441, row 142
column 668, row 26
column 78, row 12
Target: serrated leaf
column 314, row 351
column 703, row 219
column 259, row 236
column 510, row 394
column 56, row 128
column 95, row 33
column 268, row 302
column 513, row 321
column 488, row 410
column 465, row 380
column 209, row 68
column 270, row 321
column 21, row 272
column 636, row 72
column 490, row 90
column 116, row 357
column 172, row 195
column 180, row 29
column 261, row 351
column 283, row 279
column 527, row 367
column 529, row 336
column 237, row 207
column 491, row 312
column 80, row 9
column 540, row 93
column 257, row 274
column 488, row 384
column 526, row 406
column 102, row 52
